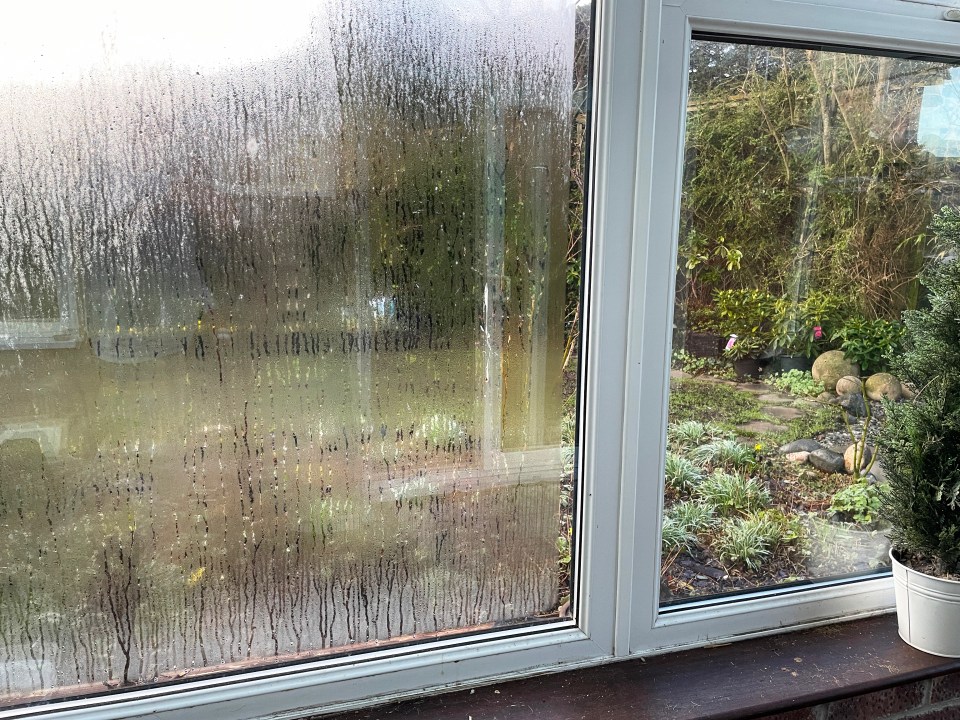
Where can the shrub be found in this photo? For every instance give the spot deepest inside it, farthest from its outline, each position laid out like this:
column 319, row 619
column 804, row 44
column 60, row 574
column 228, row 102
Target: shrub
column 868, row 342
column 697, row 517
column 920, row 440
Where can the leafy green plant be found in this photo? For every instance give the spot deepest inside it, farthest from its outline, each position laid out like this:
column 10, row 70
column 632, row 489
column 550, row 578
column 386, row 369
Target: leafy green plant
column 920, row 440
column 696, row 516
column 681, row 474
column 747, row 314
column 748, row 346
column 747, row 540
column 674, row 536
column 683, row 523
column 728, row 454
column 704, row 258
column 690, row 433
column 731, row 494
column 796, row 382
column 868, row 342
column 859, row 502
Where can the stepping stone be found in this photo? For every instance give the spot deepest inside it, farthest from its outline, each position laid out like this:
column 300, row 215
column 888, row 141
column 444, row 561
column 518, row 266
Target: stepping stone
column 783, row 413
column 776, row 399
column 680, row 375
column 759, row 427
column 760, row 388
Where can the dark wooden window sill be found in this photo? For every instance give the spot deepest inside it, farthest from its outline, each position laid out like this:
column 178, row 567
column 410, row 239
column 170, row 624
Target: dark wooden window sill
column 741, row 680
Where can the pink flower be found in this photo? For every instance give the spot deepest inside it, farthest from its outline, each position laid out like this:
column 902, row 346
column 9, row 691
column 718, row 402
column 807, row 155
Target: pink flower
column 731, row 342
column 817, row 332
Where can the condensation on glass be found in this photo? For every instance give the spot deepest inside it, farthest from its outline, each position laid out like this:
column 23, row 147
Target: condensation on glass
column 282, row 324
column 810, row 179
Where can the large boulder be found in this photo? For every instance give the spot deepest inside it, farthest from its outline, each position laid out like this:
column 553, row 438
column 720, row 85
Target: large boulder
column 831, row 366
column 849, row 460
column 883, row 385
column 849, row 384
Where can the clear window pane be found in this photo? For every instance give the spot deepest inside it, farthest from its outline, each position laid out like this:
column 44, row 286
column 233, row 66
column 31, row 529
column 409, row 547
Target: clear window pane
column 322, row 292
column 810, row 180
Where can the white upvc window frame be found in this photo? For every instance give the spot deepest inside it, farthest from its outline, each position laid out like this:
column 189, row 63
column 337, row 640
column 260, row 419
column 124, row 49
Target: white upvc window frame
column 637, row 145
column 884, row 25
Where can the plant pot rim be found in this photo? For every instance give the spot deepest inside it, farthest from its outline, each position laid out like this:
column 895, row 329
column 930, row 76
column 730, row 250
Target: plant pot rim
column 894, row 560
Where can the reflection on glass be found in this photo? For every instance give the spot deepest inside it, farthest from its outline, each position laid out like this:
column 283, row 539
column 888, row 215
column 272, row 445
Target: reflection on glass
column 283, row 300
column 810, row 179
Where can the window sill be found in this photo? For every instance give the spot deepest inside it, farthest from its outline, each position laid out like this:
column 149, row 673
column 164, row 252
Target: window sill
column 741, row 680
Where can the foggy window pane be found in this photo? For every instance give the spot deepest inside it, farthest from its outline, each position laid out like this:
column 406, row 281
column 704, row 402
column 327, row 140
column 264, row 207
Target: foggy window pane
column 282, row 318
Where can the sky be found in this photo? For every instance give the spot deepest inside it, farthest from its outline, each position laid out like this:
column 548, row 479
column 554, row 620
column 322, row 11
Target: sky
column 52, row 41
column 938, row 129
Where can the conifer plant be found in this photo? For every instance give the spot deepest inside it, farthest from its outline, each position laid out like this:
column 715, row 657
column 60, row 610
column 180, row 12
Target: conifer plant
column 919, row 443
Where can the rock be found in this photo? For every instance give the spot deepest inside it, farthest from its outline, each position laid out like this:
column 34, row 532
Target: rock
column 826, row 460
column 848, row 463
column 826, row 396
column 759, row 427
column 804, row 445
column 776, row 399
column 679, row 375
column 831, row 366
column 883, row 385
column 798, row 457
column 849, row 384
column 908, row 392
column 783, row 413
column 854, row 404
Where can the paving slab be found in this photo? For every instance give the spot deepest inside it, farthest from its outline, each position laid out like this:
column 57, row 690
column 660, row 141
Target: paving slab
column 776, row 399
column 758, row 427
column 783, row 413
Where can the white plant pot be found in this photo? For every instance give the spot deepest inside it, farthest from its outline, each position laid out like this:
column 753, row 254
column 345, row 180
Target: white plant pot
column 928, row 610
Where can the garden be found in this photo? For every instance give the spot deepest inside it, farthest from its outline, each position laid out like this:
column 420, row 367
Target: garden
column 805, row 223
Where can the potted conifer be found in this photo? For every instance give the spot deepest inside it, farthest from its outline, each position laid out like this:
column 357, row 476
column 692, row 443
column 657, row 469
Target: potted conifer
column 919, row 446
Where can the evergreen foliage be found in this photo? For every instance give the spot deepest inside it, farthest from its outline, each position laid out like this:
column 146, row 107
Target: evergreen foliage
column 920, row 442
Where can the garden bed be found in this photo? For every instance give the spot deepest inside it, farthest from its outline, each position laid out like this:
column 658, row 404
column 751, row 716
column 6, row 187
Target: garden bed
column 739, row 511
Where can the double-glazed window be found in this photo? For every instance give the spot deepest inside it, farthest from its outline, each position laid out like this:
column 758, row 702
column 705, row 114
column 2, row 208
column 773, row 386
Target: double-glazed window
column 344, row 358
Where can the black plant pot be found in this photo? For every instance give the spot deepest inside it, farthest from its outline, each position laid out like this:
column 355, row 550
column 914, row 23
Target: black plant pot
column 749, row 368
column 795, row 362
